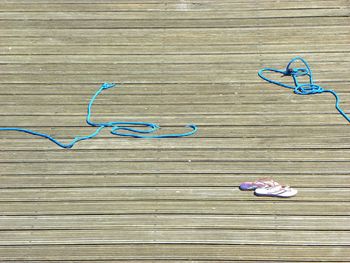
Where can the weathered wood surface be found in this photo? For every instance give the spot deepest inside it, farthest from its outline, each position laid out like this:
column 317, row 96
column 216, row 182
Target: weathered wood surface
column 173, row 200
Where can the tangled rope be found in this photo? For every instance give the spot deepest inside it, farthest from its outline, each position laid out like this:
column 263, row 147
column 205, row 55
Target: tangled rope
column 115, row 127
column 301, row 88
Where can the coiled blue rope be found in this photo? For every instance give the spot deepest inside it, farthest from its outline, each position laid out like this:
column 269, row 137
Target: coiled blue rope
column 301, row 88
column 116, row 127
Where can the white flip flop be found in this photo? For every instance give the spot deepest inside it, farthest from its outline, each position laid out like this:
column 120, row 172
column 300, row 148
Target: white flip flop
column 276, row 191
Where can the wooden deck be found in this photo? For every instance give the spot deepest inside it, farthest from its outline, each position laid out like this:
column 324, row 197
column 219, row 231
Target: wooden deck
column 173, row 200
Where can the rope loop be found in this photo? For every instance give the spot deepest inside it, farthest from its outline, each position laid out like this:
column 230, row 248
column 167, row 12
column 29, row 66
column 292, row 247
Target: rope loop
column 136, row 129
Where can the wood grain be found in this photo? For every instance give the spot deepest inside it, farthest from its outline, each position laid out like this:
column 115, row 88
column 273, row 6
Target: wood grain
column 115, row 199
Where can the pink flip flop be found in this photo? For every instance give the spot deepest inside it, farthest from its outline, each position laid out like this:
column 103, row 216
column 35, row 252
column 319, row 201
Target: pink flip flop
column 276, row 191
column 260, row 183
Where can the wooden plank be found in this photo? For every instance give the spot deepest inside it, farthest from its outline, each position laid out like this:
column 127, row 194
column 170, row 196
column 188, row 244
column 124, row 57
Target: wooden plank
column 304, row 49
column 183, row 78
column 250, row 13
column 176, row 252
column 174, row 167
column 117, row 143
column 169, row 23
column 220, row 237
column 258, row 206
column 247, row 61
column 212, row 39
column 325, row 71
column 251, row 32
column 160, row 193
column 290, row 132
column 180, row 121
column 171, row 36
column 88, row 89
column 193, row 155
column 183, row 73
column 185, row 179
column 173, row 222
column 158, row 99
column 153, row 110
column 168, row 6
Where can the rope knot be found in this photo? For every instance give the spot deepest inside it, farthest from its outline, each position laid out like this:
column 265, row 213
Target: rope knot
column 308, row 89
column 297, row 72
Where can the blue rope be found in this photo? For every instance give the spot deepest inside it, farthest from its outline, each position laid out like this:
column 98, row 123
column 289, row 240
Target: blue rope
column 301, row 88
column 116, row 127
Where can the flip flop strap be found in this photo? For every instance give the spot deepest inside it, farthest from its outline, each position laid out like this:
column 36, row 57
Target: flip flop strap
column 282, row 190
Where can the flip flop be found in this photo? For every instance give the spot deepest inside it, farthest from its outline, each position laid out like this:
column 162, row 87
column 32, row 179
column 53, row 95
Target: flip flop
column 260, row 183
column 276, row 191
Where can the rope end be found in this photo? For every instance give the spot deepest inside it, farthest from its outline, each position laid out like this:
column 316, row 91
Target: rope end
column 107, row 85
